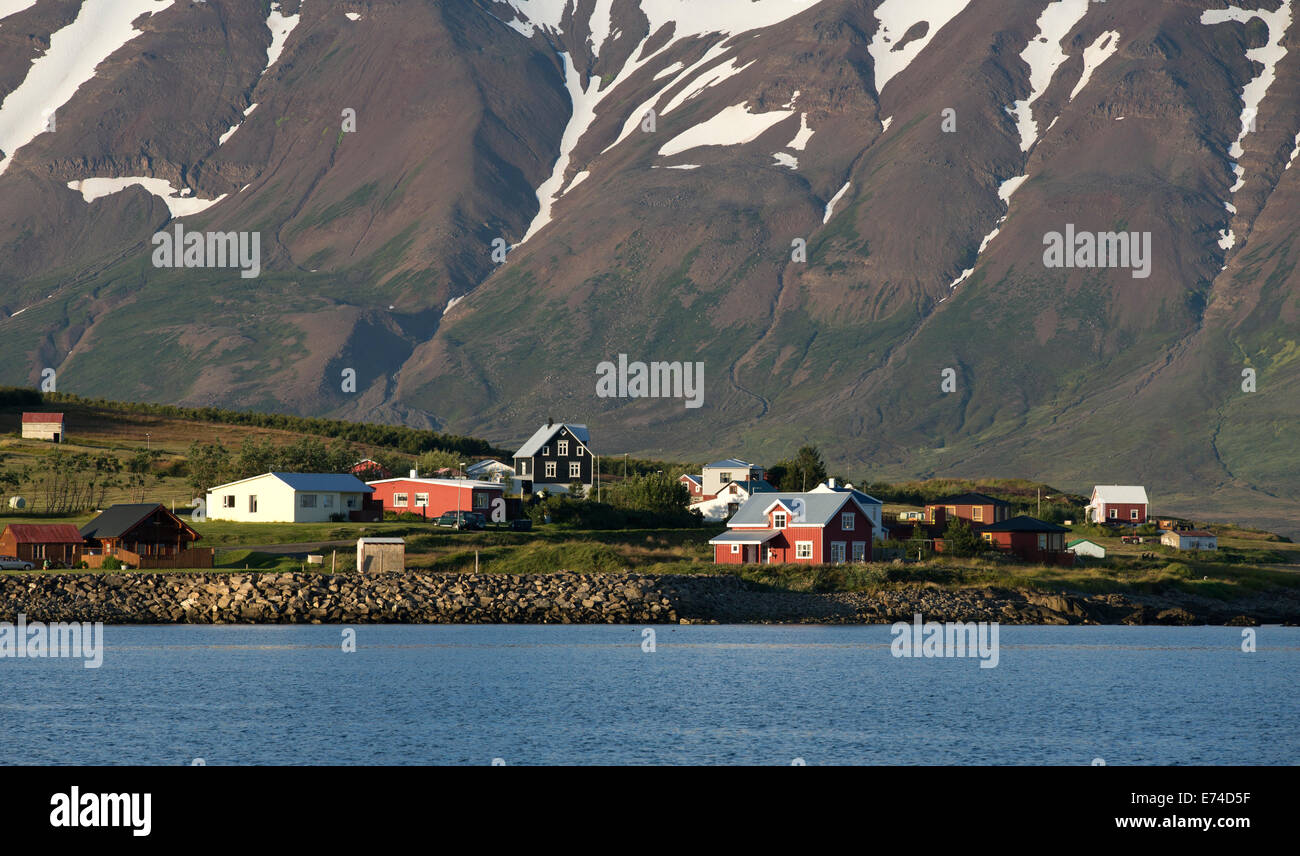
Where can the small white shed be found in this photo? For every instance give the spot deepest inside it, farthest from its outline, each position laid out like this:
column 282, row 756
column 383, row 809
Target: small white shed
column 1084, row 547
column 377, row 555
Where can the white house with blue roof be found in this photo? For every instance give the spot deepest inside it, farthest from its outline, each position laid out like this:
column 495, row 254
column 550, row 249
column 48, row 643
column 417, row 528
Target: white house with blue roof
column 287, row 498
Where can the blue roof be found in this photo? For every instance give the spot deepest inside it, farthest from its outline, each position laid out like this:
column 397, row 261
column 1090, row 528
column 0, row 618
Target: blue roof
column 728, row 462
column 326, row 482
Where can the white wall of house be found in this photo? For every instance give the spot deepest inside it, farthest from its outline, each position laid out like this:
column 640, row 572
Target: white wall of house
column 276, row 502
column 715, row 479
column 42, row 430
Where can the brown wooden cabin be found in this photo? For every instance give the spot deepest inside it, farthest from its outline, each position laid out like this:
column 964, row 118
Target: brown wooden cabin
column 58, row 543
column 143, row 535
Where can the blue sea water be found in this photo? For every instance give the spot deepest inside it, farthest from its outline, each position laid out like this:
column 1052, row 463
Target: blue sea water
column 706, row 695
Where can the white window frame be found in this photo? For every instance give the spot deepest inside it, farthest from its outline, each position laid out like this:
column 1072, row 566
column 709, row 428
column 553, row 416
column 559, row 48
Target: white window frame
column 550, row 469
column 422, row 500
column 780, row 519
column 735, row 548
column 1112, row 513
column 846, row 521
column 839, row 552
column 803, row 549
column 977, row 513
column 859, row 551
column 562, row 448
column 1132, row 514
column 578, row 451
column 400, row 499
column 575, row 470
column 546, row 451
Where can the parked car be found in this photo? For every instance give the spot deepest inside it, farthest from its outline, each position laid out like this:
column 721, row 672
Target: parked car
column 13, row 563
column 461, row 520
column 523, row 524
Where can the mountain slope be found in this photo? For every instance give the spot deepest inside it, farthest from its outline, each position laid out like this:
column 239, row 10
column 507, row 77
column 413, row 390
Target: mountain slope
column 922, row 154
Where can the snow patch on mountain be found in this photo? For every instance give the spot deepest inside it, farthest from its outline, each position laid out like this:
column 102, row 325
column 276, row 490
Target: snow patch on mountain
column 1294, row 152
column 896, row 17
column 1005, row 191
column 100, row 28
column 800, row 141
column 179, row 203
column 13, row 7
column 716, row 75
column 786, row 159
column 235, row 127
column 1269, row 55
column 830, row 206
column 675, row 67
column 732, row 126
column 1094, row 55
column 281, row 26
column 1044, row 56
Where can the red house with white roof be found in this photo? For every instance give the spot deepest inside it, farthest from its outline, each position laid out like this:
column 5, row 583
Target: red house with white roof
column 808, row 528
column 433, row 497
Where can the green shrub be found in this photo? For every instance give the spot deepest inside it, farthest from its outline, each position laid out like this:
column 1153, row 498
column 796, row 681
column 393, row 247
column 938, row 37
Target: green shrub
column 112, row 563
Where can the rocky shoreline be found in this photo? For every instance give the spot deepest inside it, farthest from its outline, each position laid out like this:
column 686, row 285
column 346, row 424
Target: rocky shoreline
column 573, row 598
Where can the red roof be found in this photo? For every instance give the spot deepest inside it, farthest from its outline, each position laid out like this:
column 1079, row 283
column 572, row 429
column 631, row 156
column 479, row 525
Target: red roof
column 42, row 417
column 45, row 533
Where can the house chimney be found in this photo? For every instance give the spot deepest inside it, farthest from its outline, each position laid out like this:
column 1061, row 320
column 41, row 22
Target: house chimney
column 549, row 421
column 830, row 483
column 415, row 474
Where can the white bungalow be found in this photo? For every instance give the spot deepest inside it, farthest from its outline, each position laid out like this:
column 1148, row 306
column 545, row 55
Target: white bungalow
column 288, row 498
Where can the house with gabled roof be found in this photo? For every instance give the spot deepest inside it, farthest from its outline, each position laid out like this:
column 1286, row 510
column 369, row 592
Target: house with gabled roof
column 557, row 455
column 43, row 426
column 719, row 473
column 974, row 508
column 806, row 528
column 1030, row 539
column 143, row 535
column 289, row 498
column 57, row 543
column 875, row 508
column 730, row 498
column 1118, row 503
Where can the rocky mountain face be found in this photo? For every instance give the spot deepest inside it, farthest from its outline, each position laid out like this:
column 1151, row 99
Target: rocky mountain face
column 1040, row 238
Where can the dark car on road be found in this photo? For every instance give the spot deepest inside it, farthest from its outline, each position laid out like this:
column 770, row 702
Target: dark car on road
column 523, row 524
column 461, row 520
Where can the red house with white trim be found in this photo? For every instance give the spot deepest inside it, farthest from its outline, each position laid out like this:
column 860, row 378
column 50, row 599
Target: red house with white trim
column 433, row 497
column 807, row 528
column 1118, row 503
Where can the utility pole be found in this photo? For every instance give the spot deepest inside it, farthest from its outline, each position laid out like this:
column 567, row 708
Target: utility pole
column 1040, row 502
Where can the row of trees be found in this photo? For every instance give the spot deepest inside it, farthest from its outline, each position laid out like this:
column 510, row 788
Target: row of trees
column 63, row 483
column 211, row 464
column 411, row 441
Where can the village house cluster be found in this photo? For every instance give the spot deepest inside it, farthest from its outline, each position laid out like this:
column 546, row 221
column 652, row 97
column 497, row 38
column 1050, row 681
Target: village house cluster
column 829, row 523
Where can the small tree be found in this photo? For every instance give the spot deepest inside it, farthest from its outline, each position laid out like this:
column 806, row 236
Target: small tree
column 960, row 540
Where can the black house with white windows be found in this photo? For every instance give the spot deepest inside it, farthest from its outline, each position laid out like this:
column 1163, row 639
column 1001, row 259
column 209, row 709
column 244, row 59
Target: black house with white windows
column 558, row 454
